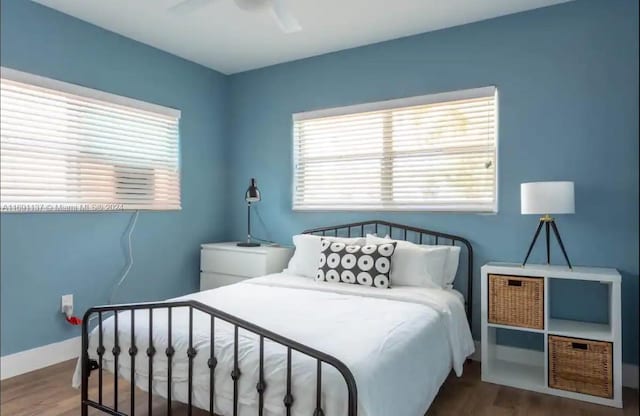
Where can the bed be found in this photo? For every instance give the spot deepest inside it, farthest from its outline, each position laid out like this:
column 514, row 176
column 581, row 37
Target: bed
column 285, row 344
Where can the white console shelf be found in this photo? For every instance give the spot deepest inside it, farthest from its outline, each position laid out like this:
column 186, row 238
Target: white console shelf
column 528, row 369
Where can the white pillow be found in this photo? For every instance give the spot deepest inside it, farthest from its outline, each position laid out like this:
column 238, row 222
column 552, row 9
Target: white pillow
column 415, row 265
column 451, row 265
column 306, row 258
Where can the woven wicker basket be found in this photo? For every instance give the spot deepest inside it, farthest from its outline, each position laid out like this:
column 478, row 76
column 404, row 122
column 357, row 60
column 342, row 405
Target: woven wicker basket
column 580, row 365
column 516, row 301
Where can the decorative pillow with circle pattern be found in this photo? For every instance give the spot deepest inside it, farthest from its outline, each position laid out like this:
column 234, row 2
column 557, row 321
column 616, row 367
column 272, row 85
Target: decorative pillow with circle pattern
column 367, row 265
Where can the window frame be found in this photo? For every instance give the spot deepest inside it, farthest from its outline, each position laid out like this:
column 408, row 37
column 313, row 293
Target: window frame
column 104, row 98
column 390, row 105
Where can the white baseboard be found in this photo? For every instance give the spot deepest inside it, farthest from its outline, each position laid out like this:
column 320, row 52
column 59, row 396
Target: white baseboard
column 25, row 361
column 506, row 353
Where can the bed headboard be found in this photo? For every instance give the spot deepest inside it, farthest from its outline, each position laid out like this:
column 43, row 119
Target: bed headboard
column 413, row 234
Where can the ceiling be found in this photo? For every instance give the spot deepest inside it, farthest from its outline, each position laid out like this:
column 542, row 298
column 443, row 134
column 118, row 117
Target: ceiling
column 221, row 36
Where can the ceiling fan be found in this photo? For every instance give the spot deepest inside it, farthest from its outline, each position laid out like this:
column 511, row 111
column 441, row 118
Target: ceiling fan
column 287, row 21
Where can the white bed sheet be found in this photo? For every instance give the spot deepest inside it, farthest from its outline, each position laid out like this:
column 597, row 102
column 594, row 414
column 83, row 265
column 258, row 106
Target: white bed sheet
column 400, row 345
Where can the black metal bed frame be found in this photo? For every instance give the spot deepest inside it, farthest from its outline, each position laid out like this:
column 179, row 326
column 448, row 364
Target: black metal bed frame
column 88, row 365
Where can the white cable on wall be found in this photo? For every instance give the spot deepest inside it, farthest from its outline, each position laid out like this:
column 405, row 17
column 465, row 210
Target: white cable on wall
column 264, row 227
column 132, row 226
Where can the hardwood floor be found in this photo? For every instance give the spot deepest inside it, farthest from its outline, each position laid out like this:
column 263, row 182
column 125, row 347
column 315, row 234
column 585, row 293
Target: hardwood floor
column 468, row 395
column 48, row 392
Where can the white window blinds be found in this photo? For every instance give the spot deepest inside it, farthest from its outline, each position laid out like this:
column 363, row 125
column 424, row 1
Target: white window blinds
column 428, row 153
column 65, row 148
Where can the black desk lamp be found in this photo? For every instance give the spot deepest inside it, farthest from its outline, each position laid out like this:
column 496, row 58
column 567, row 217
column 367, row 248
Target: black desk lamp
column 252, row 195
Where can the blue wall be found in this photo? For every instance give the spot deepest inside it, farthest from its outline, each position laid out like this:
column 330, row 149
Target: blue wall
column 48, row 255
column 568, row 82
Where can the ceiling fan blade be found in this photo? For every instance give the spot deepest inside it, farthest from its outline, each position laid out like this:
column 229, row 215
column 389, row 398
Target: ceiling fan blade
column 188, row 6
column 287, row 21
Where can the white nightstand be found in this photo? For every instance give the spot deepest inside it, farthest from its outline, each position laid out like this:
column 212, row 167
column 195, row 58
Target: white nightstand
column 530, row 369
column 225, row 263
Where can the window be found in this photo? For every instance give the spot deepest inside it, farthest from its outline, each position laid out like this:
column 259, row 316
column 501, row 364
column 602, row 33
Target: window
column 65, row 148
column 430, row 153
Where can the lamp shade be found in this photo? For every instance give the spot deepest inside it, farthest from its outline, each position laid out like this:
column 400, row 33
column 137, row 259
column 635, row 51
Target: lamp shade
column 547, row 198
column 253, row 193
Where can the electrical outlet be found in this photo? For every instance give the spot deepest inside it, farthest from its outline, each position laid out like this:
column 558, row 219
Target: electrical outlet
column 67, row 300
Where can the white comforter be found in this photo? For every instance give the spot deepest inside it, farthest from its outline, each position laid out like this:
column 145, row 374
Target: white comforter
column 400, row 345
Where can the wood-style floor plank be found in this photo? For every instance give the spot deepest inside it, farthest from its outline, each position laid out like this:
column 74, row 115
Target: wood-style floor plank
column 48, row 392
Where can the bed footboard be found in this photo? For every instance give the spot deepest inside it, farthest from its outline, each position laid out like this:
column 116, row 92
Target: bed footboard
column 89, row 365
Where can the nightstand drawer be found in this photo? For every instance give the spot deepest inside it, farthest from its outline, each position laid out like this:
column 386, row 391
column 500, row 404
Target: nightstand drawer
column 235, row 263
column 214, row 280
